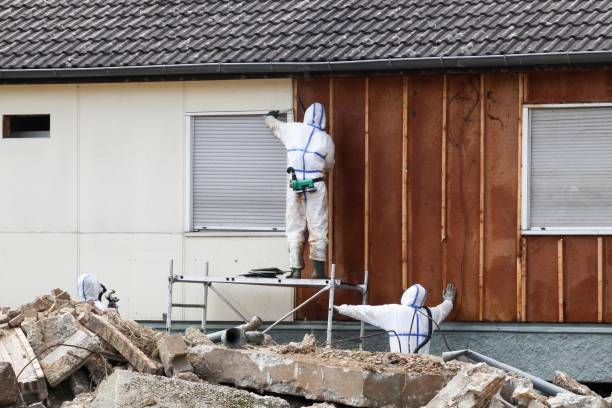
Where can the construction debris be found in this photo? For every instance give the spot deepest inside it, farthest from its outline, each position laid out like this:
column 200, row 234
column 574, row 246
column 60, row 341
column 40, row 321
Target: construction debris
column 173, row 354
column 52, row 359
column 8, row 385
column 125, row 389
column 568, row 400
column 473, row 386
column 564, row 380
column 112, row 335
column 15, row 349
column 325, row 377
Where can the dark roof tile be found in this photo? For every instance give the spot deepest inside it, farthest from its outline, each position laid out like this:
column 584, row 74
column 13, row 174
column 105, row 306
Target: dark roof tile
column 96, row 33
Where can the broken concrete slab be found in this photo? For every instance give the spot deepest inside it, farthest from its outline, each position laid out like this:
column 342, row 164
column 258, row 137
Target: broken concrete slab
column 567, row 382
column 127, row 389
column 15, row 349
column 17, row 320
column 473, row 386
column 568, row 400
column 120, row 342
column 325, row 376
column 8, row 384
column 173, row 355
column 65, row 360
column 194, row 337
column 527, row 395
column 47, row 332
column 4, row 318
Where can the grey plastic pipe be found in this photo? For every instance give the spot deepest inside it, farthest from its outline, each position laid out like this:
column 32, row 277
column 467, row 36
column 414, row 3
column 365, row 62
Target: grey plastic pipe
column 254, row 324
column 236, row 337
column 538, row 383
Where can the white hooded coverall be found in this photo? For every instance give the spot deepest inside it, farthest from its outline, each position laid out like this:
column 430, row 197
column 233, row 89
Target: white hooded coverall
column 400, row 318
column 310, row 151
column 89, row 289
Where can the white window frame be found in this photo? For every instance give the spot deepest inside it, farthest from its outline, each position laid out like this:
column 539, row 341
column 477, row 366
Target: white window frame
column 188, row 221
column 526, row 228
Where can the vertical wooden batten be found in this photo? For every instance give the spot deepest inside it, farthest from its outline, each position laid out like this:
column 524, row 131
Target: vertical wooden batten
column 366, row 247
column 443, row 179
column 481, row 203
column 600, row 280
column 521, row 279
column 560, row 276
column 405, row 277
column 330, row 197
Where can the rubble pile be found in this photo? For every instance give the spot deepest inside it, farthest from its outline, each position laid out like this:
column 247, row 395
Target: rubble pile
column 57, row 352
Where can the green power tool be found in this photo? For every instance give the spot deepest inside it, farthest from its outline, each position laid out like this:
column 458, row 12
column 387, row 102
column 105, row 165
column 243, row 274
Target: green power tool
column 302, row 185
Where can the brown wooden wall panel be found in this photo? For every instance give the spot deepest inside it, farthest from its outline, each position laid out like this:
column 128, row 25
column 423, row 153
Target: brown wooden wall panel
column 349, row 199
column 424, row 178
column 607, row 279
column 542, row 299
column 501, row 94
column 312, row 90
column 580, row 278
column 463, row 192
column 385, row 169
column 568, row 87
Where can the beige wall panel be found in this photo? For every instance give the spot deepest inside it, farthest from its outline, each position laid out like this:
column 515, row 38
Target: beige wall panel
column 230, row 256
column 38, row 175
column 136, row 265
column 238, row 95
column 34, row 264
column 132, row 168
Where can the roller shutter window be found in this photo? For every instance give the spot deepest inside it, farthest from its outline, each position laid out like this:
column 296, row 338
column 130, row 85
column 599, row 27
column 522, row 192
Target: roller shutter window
column 238, row 174
column 570, row 168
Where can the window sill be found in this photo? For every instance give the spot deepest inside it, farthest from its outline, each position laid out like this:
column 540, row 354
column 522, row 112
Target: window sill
column 235, row 234
column 565, row 231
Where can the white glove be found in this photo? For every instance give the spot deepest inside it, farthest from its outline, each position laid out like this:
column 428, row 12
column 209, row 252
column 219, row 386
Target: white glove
column 450, row 293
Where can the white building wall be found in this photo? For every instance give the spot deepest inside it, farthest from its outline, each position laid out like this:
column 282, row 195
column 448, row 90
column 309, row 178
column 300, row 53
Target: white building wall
column 105, row 194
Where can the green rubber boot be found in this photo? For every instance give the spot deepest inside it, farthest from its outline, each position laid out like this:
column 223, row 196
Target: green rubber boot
column 318, row 270
column 296, row 273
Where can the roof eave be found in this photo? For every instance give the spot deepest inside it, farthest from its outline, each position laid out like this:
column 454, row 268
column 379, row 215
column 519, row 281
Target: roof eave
column 442, row 62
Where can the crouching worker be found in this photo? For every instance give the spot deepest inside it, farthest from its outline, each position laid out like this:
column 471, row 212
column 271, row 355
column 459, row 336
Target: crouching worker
column 91, row 291
column 411, row 320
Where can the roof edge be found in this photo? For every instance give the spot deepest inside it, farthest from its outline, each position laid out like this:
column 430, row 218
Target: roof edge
column 442, row 62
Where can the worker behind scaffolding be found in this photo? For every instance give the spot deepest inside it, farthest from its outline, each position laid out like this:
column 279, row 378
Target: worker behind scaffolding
column 411, row 323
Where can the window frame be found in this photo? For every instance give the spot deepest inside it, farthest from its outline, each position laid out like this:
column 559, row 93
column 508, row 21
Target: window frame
column 525, row 190
column 188, row 187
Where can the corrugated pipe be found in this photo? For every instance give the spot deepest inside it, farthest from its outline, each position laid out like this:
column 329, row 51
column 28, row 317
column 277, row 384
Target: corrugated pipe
column 237, row 336
column 538, row 383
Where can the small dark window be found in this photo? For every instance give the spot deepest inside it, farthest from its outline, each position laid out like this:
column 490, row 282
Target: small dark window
column 25, row 126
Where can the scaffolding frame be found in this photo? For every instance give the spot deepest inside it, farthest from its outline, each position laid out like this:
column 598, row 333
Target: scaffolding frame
column 325, row 285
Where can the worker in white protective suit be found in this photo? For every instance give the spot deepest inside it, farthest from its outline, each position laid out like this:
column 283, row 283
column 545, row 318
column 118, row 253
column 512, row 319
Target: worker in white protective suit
column 310, row 153
column 409, row 324
column 90, row 290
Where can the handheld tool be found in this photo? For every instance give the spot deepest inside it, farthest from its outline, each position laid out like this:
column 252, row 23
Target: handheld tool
column 302, row 185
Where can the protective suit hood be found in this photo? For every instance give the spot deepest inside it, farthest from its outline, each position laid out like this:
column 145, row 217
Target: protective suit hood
column 414, row 296
column 315, row 116
column 89, row 289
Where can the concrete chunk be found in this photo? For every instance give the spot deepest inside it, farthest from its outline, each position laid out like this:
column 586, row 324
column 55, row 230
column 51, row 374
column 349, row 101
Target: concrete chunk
column 17, row 320
column 127, row 389
column 173, row 354
column 120, row 342
column 323, row 378
column 8, row 384
column 65, row 360
column 565, row 381
column 567, row 400
column 15, row 349
column 472, row 387
column 49, row 331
